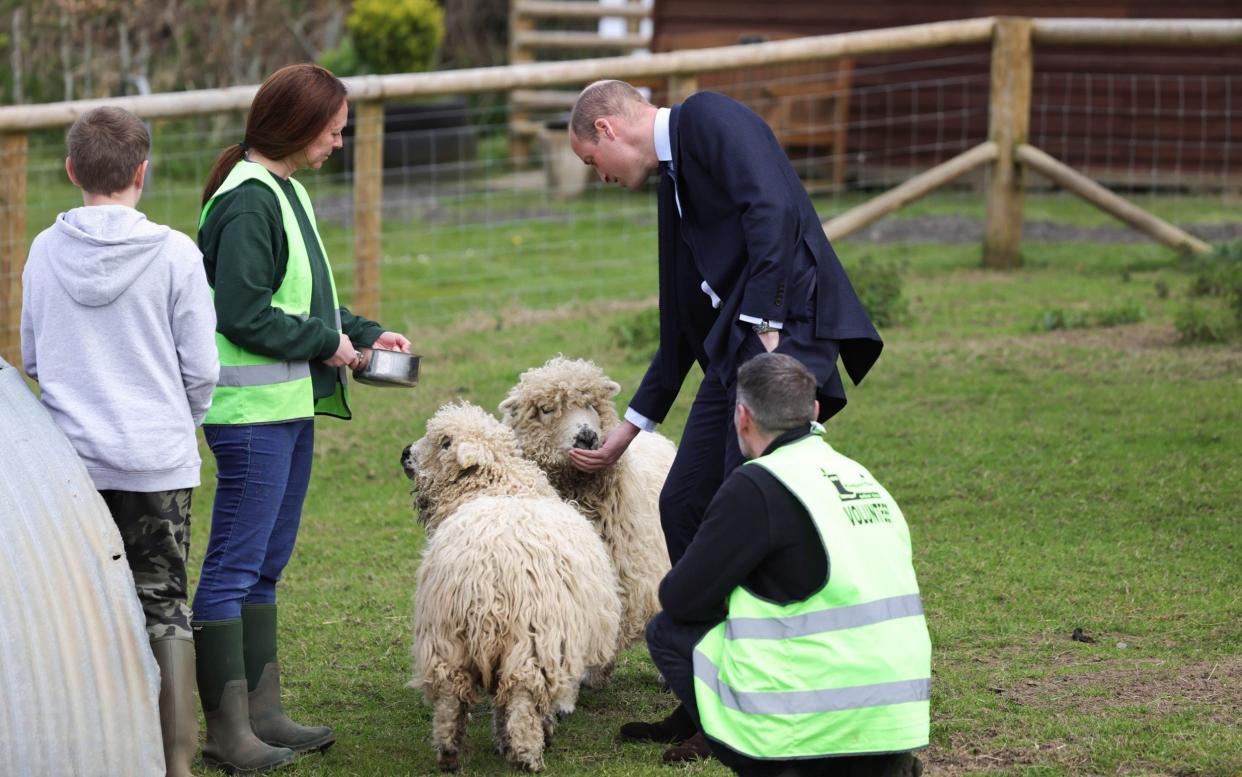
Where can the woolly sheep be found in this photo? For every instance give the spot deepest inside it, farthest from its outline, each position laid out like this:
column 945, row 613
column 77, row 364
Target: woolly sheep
column 516, row 595
column 567, row 403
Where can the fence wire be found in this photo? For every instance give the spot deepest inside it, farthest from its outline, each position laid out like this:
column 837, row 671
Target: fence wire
column 475, row 235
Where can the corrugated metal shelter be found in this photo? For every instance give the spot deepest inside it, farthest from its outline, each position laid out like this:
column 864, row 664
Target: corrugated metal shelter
column 79, row 689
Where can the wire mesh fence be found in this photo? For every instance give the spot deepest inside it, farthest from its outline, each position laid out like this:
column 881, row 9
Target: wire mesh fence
column 473, row 238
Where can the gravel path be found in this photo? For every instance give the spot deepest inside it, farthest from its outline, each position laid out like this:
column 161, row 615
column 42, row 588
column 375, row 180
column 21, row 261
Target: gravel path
column 401, row 203
column 959, row 229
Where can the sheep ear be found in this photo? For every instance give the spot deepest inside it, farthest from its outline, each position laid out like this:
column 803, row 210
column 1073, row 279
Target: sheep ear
column 471, row 455
column 613, row 388
column 509, row 407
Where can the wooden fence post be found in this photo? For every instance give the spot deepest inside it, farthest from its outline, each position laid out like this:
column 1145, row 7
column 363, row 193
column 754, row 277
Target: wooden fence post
column 1009, row 122
column 13, row 157
column 681, row 87
column 368, row 202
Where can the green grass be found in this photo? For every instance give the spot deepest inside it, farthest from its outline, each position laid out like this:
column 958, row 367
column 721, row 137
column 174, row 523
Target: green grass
column 1052, row 480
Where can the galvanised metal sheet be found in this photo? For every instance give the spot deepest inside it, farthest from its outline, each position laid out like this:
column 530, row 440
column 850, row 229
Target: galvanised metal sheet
column 79, row 689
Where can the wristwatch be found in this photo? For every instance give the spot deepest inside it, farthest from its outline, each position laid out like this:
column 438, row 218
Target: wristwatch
column 763, row 327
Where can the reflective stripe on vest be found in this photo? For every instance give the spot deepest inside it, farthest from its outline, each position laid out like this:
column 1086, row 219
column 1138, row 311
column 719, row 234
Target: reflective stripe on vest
column 846, row 670
column 259, row 389
column 801, row 702
column 263, row 374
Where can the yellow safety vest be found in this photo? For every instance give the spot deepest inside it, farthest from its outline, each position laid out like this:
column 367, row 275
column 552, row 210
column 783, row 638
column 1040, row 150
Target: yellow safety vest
column 257, row 389
column 847, row 670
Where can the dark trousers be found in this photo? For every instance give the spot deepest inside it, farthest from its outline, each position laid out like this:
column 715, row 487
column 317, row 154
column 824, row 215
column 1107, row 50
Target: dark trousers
column 671, row 645
column 707, row 453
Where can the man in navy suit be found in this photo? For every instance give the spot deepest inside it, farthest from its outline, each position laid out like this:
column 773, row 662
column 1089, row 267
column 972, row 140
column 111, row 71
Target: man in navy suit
column 745, row 268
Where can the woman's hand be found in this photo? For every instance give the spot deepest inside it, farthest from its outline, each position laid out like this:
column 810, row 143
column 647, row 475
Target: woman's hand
column 393, row 341
column 345, row 355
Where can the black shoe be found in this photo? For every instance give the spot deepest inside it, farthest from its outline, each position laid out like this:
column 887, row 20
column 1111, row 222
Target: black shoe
column 675, row 729
column 694, row 748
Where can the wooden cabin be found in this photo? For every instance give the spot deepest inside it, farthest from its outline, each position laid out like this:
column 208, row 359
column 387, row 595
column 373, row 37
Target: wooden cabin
column 1137, row 118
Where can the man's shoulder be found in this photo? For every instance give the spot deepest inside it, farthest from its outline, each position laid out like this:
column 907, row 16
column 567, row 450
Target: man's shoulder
column 702, row 105
column 743, row 485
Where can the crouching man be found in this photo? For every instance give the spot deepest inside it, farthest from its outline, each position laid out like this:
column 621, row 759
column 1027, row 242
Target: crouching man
column 793, row 630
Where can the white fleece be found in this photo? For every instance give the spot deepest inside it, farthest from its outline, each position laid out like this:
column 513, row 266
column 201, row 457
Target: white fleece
column 118, row 328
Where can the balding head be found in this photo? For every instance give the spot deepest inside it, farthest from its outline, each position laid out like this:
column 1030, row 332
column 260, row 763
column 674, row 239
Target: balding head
column 601, row 99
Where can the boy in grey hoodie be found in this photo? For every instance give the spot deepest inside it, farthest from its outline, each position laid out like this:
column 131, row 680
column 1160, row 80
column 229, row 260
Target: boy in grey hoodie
column 118, row 328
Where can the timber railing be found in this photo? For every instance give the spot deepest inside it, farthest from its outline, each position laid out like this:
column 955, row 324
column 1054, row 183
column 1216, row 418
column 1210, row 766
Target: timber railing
column 1006, row 151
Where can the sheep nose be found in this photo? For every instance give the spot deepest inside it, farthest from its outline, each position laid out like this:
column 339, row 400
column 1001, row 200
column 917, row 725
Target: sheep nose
column 405, row 452
column 586, row 438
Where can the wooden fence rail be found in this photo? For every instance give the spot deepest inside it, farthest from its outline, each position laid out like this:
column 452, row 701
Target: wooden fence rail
column 1006, row 151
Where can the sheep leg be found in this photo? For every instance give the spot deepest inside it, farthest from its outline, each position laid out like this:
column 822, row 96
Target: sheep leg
column 524, row 726
column 448, row 728
column 500, row 715
column 549, row 728
column 597, row 677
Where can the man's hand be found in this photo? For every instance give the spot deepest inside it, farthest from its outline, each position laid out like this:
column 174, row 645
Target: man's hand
column 393, row 341
column 607, row 454
column 770, row 340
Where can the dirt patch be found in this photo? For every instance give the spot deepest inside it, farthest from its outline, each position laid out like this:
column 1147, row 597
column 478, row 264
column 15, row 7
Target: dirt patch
column 1084, row 683
column 510, row 317
column 1153, row 350
column 1151, row 684
column 1128, row 338
column 963, row 759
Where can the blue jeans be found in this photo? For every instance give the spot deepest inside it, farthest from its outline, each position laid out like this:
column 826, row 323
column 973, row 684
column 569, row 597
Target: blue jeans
column 262, row 474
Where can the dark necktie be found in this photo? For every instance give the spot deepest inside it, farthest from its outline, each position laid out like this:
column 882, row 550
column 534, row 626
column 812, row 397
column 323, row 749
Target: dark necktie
column 667, row 194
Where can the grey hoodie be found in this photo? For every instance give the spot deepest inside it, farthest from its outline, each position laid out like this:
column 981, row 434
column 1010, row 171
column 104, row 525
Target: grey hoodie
column 118, row 328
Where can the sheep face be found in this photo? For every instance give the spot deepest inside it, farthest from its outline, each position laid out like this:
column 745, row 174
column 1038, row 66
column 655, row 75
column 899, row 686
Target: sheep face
column 455, row 460
column 566, row 403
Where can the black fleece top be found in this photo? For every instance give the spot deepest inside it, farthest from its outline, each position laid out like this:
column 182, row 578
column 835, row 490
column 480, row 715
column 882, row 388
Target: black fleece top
column 245, row 254
column 756, row 534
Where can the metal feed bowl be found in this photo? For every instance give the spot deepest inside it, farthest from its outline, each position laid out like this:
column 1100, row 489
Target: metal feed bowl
column 390, row 368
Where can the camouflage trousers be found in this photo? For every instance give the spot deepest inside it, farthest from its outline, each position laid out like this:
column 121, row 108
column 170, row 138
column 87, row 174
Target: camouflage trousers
column 155, row 528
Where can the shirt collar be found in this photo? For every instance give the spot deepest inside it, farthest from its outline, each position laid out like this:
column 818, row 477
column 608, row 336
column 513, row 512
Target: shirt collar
column 663, row 145
column 793, row 435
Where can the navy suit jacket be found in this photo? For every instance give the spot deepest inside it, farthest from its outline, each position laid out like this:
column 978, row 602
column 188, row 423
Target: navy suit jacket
column 749, row 229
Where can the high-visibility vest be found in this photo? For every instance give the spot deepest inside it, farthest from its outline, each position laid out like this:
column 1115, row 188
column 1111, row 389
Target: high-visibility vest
column 257, row 389
column 845, row 671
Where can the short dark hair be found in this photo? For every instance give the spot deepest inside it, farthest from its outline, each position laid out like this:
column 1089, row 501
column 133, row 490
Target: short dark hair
column 105, row 147
column 602, row 98
column 778, row 390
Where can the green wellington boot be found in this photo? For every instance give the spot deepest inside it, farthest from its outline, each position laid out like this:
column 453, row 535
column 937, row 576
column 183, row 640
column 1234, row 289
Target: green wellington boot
column 231, row 745
column 267, row 716
column 178, row 721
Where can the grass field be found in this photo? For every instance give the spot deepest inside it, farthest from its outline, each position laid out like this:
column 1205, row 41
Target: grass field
column 1053, row 480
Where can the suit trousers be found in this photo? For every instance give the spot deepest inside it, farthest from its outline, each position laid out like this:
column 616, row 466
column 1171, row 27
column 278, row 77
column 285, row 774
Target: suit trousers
column 707, row 453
